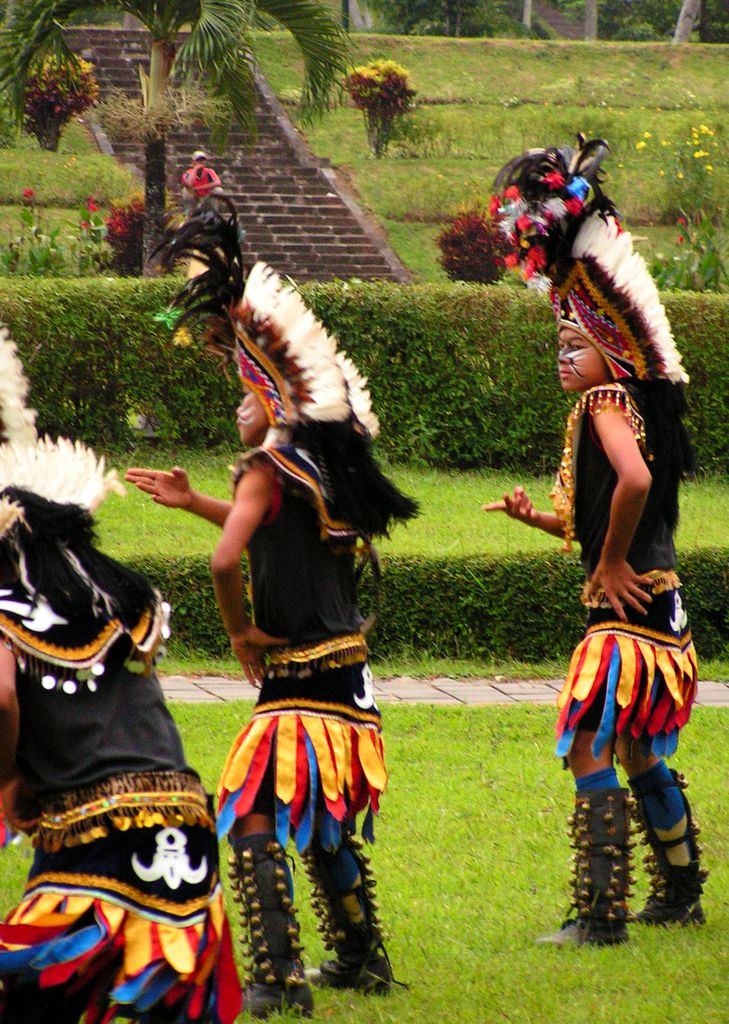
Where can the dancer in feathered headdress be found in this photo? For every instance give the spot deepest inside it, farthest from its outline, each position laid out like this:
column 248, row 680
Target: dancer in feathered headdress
column 632, row 679
column 91, row 764
column 306, row 493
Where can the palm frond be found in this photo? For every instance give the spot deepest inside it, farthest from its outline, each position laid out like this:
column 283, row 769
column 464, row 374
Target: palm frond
column 218, row 47
column 35, row 32
column 322, row 42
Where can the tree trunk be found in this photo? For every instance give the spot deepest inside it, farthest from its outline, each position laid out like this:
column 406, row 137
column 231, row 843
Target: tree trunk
column 526, row 17
column 686, row 19
column 590, row 20
column 155, row 151
column 155, row 170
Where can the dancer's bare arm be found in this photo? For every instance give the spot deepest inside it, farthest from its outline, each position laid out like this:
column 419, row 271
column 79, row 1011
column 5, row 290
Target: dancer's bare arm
column 519, row 506
column 171, row 488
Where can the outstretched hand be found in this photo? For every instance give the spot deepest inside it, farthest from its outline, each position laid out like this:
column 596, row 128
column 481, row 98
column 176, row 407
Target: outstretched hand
column 517, row 506
column 170, row 488
column 622, row 586
column 249, row 647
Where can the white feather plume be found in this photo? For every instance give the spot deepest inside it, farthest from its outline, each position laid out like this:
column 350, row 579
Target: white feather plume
column 16, row 420
column 63, row 471
column 613, row 251
column 308, row 344
column 359, row 396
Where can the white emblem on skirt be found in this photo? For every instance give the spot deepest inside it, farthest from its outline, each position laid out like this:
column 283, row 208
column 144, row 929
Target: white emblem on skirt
column 171, row 861
column 679, row 619
column 368, row 700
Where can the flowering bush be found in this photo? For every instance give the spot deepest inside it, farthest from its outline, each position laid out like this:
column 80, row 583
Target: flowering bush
column 42, row 252
column 380, row 89
column 687, row 168
column 53, row 95
column 125, row 225
column 699, row 265
column 472, row 245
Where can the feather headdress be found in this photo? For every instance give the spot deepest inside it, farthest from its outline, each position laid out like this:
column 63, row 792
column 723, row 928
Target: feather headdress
column 283, row 352
column 62, row 471
column 17, row 422
column 574, row 248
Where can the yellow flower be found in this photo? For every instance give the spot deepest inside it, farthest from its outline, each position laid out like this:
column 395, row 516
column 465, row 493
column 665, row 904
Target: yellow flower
column 709, row 168
column 621, row 165
column 679, row 175
column 640, row 145
column 665, row 142
column 662, row 174
column 699, row 153
column 647, row 135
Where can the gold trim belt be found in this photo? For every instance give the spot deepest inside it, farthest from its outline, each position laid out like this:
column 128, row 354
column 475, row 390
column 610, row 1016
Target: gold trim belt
column 122, row 802
column 350, row 649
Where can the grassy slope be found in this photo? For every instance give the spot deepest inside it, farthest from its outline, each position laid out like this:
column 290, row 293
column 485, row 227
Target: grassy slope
column 489, row 99
column 481, row 868
column 61, row 181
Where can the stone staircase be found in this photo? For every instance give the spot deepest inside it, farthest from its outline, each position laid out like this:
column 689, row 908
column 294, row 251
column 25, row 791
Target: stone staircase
column 562, row 26
column 296, row 215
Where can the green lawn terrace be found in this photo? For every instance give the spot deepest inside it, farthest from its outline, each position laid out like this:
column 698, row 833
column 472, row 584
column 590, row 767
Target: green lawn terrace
column 484, row 100
column 450, row 524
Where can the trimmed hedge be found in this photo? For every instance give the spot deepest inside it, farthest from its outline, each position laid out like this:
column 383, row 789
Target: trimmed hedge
column 462, row 375
column 524, row 607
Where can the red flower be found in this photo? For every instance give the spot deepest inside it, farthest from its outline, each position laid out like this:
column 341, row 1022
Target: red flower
column 512, row 192
column 494, row 205
column 573, row 205
column 511, row 259
column 524, row 222
column 680, row 239
column 85, row 225
column 91, row 205
column 553, row 180
column 682, row 221
column 28, row 193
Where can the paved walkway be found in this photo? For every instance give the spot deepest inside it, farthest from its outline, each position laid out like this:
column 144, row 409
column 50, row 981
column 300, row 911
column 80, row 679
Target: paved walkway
column 404, row 690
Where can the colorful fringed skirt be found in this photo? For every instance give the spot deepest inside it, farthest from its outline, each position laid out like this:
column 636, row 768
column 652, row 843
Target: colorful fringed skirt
column 122, row 912
column 635, row 679
column 316, row 743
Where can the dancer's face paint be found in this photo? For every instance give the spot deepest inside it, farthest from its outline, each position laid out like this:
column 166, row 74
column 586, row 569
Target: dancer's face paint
column 251, row 420
column 579, row 363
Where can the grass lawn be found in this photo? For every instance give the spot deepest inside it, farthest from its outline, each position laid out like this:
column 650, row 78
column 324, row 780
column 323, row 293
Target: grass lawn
column 484, row 100
column 450, row 523
column 468, row 882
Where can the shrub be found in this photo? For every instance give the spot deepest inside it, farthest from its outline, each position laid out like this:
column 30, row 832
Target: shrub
column 461, row 376
column 125, row 227
column 700, row 264
column 472, row 246
column 39, row 251
column 54, row 94
column 525, row 607
column 380, row 89
column 8, row 128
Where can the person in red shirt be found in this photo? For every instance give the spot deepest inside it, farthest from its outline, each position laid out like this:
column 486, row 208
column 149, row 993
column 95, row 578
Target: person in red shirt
column 199, row 182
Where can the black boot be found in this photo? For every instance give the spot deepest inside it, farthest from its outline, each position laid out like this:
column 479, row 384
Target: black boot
column 348, row 923
column 601, row 840
column 275, row 978
column 675, row 896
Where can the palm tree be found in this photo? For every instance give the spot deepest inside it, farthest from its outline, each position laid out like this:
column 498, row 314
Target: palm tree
column 218, row 48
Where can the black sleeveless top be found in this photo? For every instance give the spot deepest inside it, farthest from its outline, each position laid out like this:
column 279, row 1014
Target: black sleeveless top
column 595, row 480
column 301, row 587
